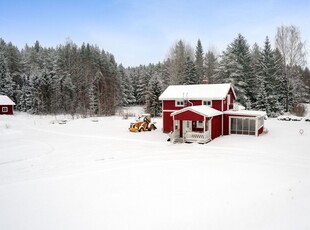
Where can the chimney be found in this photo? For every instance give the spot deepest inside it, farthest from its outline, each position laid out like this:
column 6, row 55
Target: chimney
column 205, row 81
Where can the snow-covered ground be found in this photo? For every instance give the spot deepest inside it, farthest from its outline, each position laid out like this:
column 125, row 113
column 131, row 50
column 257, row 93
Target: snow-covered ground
column 97, row 175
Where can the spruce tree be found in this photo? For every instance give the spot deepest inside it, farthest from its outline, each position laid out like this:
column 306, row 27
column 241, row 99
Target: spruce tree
column 235, row 68
column 6, row 83
column 191, row 77
column 199, row 62
column 153, row 105
column 211, row 66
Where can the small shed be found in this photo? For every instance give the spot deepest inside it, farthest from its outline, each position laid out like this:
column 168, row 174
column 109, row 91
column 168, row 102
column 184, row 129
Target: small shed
column 6, row 105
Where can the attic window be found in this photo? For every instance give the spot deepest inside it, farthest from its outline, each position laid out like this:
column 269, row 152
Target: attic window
column 179, row 103
column 209, row 103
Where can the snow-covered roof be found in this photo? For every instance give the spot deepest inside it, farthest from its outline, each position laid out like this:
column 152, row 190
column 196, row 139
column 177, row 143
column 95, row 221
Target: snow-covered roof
column 5, row 100
column 203, row 110
column 196, row 92
column 246, row 113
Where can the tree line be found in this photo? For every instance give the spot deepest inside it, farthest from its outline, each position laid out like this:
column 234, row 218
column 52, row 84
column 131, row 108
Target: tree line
column 88, row 81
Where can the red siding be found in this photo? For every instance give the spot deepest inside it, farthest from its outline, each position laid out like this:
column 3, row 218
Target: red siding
column 216, row 127
column 188, row 115
column 217, row 104
column 232, row 96
column 226, row 125
column 167, row 122
column 260, row 131
column 195, row 102
column 169, row 105
column 10, row 109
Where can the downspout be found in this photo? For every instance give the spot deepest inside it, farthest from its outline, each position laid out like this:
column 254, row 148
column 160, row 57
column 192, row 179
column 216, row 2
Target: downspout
column 192, row 104
column 188, row 100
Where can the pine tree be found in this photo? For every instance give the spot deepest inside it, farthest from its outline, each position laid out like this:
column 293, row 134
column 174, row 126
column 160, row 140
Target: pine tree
column 306, row 80
column 6, row 83
column 199, row 62
column 191, row 77
column 153, row 105
column 269, row 73
column 256, row 67
column 127, row 94
column 211, row 67
column 235, row 68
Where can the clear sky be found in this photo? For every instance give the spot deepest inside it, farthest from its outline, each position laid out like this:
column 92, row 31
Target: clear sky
column 142, row 31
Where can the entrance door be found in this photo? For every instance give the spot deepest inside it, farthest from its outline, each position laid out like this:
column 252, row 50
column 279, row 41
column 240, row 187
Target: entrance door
column 187, row 127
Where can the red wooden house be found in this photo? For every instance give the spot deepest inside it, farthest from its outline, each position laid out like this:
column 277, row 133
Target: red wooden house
column 6, row 105
column 201, row 113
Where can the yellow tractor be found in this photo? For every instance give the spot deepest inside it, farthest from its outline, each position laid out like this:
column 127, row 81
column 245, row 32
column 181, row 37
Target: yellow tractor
column 143, row 123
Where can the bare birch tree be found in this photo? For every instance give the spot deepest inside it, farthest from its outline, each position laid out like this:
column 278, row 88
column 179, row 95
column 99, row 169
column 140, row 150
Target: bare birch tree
column 293, row 51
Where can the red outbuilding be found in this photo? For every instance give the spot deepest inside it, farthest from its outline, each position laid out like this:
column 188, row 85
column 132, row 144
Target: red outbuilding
column 201, row 113
column 6, row 105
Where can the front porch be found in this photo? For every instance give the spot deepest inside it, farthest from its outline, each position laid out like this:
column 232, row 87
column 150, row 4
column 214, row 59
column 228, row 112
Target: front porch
column 193, row 124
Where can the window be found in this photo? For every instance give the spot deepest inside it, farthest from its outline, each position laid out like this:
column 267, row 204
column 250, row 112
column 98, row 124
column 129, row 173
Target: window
column 5, row 109
column 245, row 126
column 179, row 103
column 199, row 124
column 209, row 103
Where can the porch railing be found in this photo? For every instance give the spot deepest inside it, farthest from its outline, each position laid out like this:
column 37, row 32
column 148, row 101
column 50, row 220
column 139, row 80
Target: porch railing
column 197, row 137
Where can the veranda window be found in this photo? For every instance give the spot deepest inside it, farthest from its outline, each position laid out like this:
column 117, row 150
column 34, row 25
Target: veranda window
column 244, row 126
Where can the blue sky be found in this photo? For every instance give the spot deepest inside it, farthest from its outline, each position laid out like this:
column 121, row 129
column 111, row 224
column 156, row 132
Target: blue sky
column 140, row 32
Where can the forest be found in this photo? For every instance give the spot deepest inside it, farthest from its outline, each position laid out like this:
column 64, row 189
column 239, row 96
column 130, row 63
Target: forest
column 86, row 80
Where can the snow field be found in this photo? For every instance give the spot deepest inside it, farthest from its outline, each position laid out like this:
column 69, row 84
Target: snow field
column 98, row 175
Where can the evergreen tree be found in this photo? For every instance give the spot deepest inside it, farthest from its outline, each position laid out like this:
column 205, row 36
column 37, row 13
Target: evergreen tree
column 199, row 62
column 153, row 105
column 127, row 96
column 6, row 83
column 262, row 99
column 306, row 80
column 235, row 68
column 211, row 67
column 190, row 73
column 269, row 73
column 256, row 67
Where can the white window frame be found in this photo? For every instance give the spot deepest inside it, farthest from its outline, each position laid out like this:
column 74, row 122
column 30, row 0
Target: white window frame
column 5, row 109
column 207, row 102
column 228, row 101
column 179, row 103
